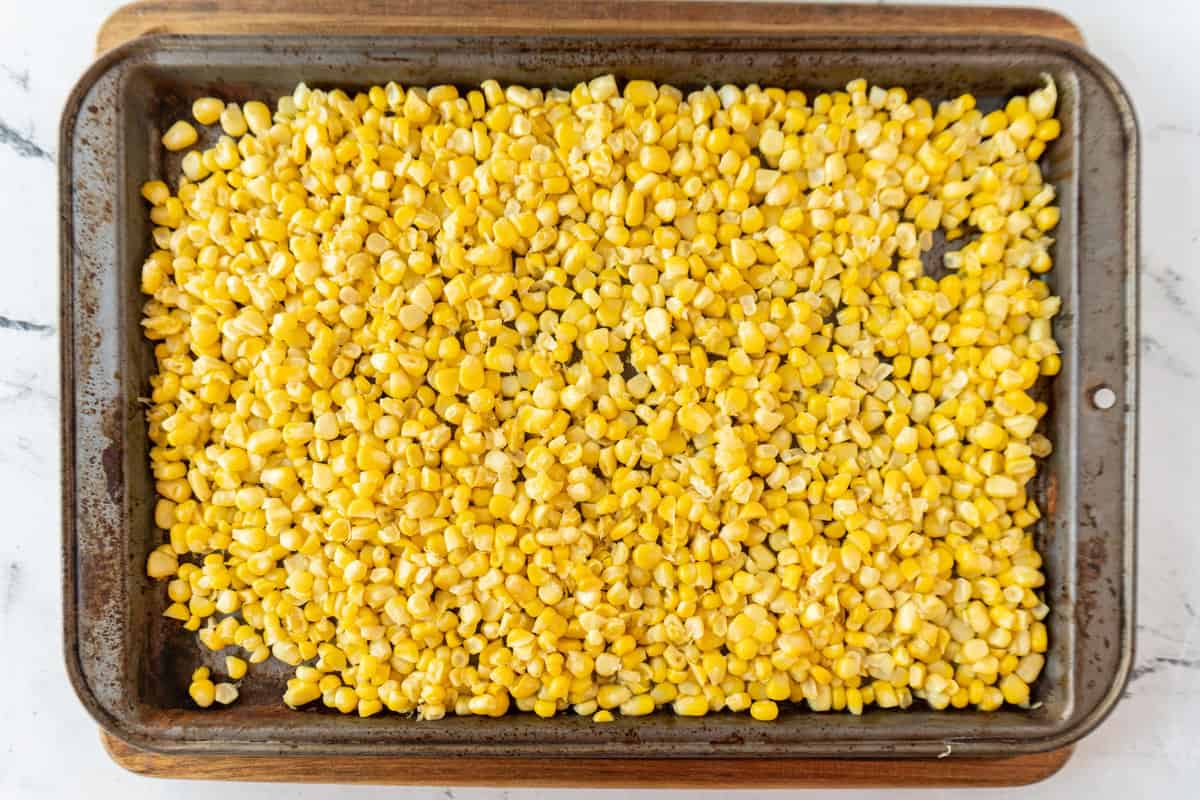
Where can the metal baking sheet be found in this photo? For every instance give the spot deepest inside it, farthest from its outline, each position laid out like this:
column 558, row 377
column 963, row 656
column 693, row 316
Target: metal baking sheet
column 130, row 666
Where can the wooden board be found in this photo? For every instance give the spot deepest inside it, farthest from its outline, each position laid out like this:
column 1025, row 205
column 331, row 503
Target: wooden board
column 381, row 17
column 708, row 773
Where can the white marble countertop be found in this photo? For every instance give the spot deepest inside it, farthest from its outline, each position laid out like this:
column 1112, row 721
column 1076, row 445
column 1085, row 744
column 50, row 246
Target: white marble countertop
column 1147, row 748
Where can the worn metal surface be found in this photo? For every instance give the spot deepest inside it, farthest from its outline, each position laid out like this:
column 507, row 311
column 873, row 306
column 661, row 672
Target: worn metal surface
column 130, row 666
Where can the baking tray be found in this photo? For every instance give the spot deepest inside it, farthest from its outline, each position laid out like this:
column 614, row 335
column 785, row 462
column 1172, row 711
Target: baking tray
column 130, row 666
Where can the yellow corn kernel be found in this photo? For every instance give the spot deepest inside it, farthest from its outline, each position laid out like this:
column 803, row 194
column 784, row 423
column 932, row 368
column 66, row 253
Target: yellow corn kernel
column 764, row 710
column 161, row 564
column 1045, row 218
column 258, row 117
column 690, row 706
column 207, row 110
column 694, row 419
column 611, row 696
column 179, row 136
column 224, row 693
column 1015, row 690
column 235, row 667
column 202, row 692
column 637, row 706
column 232, row 121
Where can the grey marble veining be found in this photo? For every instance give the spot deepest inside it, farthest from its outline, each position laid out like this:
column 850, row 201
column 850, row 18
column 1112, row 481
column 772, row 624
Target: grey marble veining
column 48, row 746
column 22, row 143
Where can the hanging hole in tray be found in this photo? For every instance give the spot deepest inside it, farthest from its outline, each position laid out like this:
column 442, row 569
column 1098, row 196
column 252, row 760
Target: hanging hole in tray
column 1104, row 398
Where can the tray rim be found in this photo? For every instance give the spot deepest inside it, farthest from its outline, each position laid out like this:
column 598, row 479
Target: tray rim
column 1062, row 734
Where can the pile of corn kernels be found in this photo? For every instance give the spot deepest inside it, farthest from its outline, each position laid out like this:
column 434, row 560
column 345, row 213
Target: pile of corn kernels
column 605, row 400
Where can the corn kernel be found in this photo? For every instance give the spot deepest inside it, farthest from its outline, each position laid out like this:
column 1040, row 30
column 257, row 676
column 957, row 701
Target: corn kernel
column 207, row 110
column 161, row 564
column 202, row 692
column 224, row 693
column 235, row 667
column 179, row 136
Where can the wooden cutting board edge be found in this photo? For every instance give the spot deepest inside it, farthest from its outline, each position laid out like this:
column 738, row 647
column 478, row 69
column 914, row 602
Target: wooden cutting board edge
column 381, row 17
column 598, row 773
